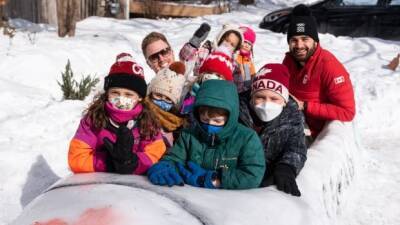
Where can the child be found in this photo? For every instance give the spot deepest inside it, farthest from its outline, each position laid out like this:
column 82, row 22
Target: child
column 164, row 94
column 117, row 133
column 269, row 110
column 244, row 59
column 218, row 152
column 218, row 65
column 230, row 39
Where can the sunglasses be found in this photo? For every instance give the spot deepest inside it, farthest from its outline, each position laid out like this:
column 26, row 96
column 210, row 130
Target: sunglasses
column 164, row 52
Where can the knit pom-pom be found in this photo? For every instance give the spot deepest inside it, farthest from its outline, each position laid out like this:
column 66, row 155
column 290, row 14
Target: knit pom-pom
column 301, row 10
column 124, row 57
column 178, row 67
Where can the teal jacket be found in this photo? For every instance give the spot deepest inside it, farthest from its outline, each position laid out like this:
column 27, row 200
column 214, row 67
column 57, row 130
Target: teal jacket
column 236, row 152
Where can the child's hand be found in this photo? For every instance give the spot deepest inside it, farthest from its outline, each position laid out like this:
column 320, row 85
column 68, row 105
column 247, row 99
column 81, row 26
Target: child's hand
column 124, row 160
column 285, row 179
column 197, row 176
column 200, row 35
column 164, row 173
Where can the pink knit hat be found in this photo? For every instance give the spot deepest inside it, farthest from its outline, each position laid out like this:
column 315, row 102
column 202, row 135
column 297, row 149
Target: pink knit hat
column 248, row 34
column 273, row 77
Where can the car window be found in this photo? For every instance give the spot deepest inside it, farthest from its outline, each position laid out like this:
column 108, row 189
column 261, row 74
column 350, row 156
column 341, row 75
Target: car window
column 359, row 2
column 395, row 2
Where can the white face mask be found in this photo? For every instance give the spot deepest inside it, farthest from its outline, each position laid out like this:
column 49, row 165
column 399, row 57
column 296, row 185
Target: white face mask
column 123, row 103
column 226, row 48
column 268, row 111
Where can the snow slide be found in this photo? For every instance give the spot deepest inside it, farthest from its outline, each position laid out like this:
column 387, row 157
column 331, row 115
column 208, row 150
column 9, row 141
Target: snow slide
column 101, row 198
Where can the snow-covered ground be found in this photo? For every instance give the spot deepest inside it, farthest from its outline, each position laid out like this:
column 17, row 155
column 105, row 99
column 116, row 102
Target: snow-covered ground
column 36, row 125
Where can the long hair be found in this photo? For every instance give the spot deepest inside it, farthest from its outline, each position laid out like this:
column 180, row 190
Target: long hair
column 96, row 112
column 147, row 122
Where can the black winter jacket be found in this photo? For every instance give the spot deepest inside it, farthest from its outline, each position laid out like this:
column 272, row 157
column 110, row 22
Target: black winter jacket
column 283, row 138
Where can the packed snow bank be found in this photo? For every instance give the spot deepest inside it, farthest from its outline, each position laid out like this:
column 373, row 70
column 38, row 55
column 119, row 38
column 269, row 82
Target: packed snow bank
column 333, row 161
column 323, row 182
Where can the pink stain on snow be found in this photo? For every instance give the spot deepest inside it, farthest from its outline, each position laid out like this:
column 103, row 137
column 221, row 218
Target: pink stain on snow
column 101, row 216
column 51, row 222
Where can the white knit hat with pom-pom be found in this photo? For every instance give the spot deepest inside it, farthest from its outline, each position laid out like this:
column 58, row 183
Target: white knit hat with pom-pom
column 169, row 82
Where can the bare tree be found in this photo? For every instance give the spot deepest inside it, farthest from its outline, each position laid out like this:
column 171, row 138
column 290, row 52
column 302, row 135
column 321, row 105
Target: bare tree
column 68, row 13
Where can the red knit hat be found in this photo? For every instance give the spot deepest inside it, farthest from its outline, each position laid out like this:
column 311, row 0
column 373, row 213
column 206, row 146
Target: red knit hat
column 248, row 34
column 219, row 63
column 274, row 77
column 126, row 73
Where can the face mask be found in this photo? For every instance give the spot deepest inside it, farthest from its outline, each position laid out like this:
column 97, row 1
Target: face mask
column 123, row 103
column 226, row 48
column 268, row 111
column 211, row 129
column 210, row 76
column 163, row 104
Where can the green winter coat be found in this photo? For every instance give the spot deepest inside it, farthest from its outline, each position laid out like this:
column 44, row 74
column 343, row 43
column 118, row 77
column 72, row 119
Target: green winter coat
column 236, row 152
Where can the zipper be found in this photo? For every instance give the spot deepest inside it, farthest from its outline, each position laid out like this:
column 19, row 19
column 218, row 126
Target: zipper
column 212, row 140
column 216, row 163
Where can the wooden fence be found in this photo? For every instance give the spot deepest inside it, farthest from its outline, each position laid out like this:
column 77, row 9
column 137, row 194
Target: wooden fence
column 45, row 11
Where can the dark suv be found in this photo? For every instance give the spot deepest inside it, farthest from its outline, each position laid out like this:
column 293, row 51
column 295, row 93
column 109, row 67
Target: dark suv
column 355, row 18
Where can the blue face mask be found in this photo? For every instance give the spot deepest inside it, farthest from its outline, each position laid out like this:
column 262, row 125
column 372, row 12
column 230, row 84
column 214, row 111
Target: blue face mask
column 163, row 104
column 211, row 129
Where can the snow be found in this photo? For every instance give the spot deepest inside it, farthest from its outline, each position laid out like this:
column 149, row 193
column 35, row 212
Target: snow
column 324, row 187
column 36, row 125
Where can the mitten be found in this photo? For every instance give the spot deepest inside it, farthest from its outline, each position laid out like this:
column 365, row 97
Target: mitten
column 200, row 35
column 285, row 179
column 197, row 176
column 164, row 173
column 124, row 160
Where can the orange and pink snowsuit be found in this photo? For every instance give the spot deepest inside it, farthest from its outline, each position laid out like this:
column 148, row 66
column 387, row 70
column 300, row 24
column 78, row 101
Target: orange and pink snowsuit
column 86, row 152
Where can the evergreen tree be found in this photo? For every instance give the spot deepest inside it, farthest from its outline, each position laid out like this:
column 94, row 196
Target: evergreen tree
column 71, row 88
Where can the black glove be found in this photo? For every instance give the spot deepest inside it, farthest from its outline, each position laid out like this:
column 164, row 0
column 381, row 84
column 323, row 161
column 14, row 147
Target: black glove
column 200, row 35
column 124, row 160
column 285, row 179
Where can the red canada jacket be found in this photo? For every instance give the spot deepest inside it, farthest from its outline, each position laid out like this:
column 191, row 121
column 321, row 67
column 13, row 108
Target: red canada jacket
column 325, row 85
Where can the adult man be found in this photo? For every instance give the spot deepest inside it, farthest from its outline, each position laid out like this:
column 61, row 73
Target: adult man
column 318, row 80
column 157, row 51
column 159, row 54
column 268, row 109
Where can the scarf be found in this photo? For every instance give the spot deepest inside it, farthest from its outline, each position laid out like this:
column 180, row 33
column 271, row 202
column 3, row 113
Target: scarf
column 169, row 121
column 122, row 116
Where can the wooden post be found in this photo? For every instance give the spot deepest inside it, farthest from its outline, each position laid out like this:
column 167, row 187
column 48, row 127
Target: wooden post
column 2, row 4
column 48, row 12
column 124, row 5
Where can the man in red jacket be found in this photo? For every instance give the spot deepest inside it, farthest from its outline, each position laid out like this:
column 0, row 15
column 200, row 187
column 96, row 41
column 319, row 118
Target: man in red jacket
column 318, row 80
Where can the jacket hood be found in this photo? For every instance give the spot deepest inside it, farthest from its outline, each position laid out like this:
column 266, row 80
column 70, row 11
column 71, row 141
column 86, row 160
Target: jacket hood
column 221, row 94
column 227, row 28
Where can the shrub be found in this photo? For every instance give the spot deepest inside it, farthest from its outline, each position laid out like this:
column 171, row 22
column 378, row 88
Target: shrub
column 76, row 90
